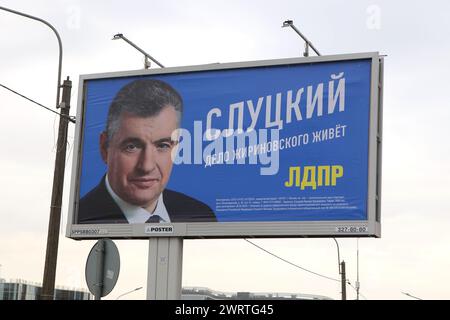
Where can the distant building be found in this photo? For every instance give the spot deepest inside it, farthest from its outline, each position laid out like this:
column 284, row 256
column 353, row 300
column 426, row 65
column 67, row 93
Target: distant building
column 24, row 290
column 199, row 293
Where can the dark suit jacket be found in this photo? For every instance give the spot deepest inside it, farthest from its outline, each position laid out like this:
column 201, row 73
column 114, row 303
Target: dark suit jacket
column 97, row 206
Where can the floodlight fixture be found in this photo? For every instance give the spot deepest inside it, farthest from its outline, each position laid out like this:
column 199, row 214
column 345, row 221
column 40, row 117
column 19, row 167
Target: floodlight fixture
column 117, row 36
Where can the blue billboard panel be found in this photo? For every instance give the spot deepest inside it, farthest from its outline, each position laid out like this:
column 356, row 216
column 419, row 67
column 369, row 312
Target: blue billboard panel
column 273, row 143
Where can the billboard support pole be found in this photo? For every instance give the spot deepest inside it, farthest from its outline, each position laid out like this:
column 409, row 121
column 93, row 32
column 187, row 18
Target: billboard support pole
column 165, row 255
column 165, row 258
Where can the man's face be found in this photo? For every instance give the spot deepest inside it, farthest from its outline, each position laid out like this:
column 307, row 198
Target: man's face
column 139, row 156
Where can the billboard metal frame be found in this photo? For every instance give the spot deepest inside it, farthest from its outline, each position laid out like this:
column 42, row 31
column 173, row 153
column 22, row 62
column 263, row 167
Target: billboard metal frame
column 340, row 228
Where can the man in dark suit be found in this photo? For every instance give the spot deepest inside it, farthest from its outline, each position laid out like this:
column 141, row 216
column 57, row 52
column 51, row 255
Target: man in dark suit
column 137, row 147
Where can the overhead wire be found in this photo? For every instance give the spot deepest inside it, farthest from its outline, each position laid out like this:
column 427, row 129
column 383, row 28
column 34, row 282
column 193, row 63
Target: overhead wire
column 70, row 118
column 291, row 263
column 299, row 267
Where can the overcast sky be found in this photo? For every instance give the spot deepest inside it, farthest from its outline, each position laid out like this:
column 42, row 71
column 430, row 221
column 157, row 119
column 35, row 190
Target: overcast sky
column 413, row 253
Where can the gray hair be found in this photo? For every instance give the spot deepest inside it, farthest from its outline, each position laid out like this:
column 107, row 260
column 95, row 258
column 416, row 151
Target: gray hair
column 143, row 98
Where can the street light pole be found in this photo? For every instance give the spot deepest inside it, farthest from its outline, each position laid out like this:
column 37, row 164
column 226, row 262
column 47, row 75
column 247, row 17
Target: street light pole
column 343, row 281
column 341, row 267
column 357, row 269
column 123, row 294
column 410, row 295
column 48, row 283
column 146, row 55
column 290, row 23
column 339, row 258
column 59, row 44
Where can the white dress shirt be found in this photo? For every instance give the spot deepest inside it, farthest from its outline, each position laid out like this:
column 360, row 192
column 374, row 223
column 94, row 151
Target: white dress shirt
column 136, row 214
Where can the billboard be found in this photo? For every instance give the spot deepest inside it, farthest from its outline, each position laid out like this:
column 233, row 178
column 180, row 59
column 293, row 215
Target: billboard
column 276, row 148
